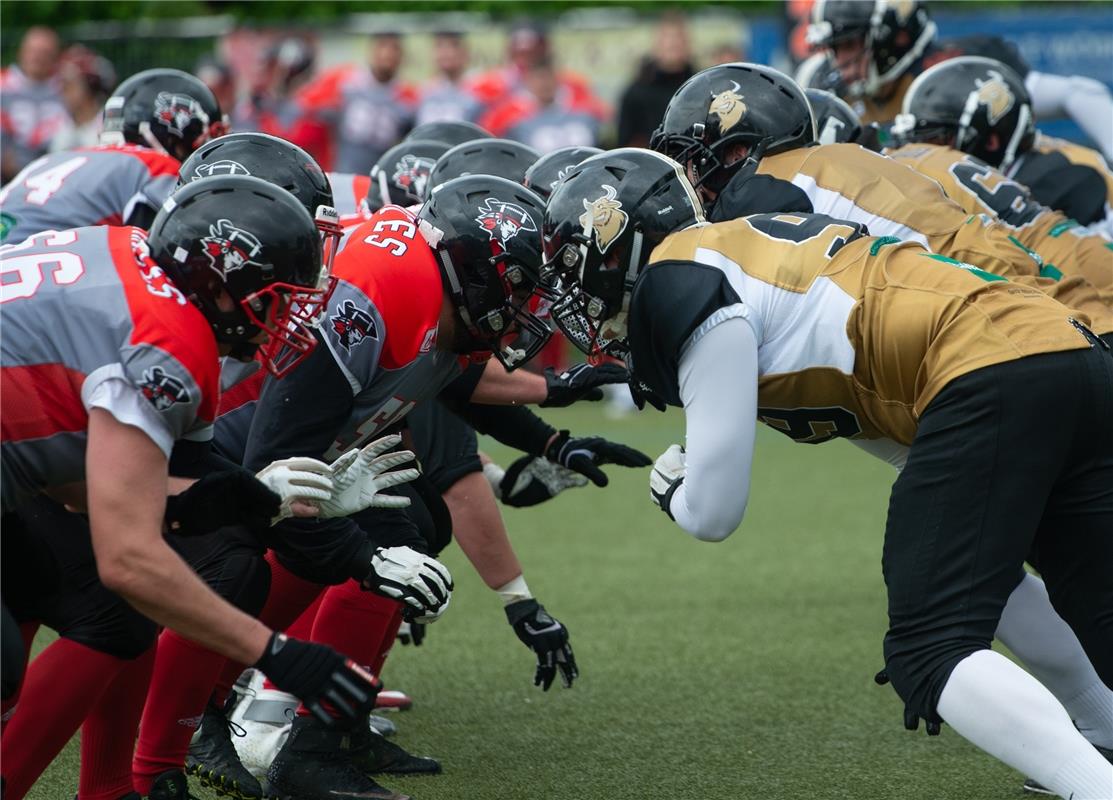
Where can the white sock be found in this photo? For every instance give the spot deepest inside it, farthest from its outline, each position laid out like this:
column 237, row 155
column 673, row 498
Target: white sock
column 1048, row 648
column 1002, row 709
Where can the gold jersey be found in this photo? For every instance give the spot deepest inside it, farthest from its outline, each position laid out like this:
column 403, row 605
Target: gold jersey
column 1068, row 248
column 849, row 182
column 856, row 334
column 883, row 110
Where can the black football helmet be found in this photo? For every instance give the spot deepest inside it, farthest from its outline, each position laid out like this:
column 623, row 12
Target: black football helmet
column 486, row 233
column 401, row 173
column 166, row 109
column 255, row 241
column 276, row 161
column 894, row 34
column 974, row 104
column 502, row 157
column 601, row 224
column 835, row 121
column 551, row 168
column 451, row 132
column 727, row 105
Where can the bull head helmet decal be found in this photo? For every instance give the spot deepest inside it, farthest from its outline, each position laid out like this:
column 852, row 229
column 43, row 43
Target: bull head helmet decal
column 727, row 105
column 605, row 217
column 994, row 94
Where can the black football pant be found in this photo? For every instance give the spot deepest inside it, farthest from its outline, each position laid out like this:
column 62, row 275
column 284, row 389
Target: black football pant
column 1007, row 460
column 56, row 581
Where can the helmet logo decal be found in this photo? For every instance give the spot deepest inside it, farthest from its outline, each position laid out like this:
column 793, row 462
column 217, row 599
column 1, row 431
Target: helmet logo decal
column 225, row 167
column 903, row 9
column 994, row 94
column 605, row 216
column 176, row 112
column 352, row 325
column 411, row 173
column 230, row 248
column 561, row 175
column 503, row 221
column 163, row 390
column 727, row 105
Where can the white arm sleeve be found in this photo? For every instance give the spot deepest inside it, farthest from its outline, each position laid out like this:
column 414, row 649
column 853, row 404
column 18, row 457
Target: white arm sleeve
column 1084, row 100
column 886, row 449
column 718, row 386
column 120, row 398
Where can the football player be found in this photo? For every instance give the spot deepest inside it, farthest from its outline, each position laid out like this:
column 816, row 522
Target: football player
column 981, row 107
column 836, row 122
column 547, row 171
column 754, row 155
column 90, row 422
column 810, row 325
column 152, row 121
column 874, row 49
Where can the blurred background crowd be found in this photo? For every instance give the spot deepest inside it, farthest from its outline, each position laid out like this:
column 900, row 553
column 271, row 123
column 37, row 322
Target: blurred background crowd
column 349, row 86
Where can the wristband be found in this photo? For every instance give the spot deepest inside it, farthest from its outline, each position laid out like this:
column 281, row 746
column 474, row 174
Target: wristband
column 514, row 591
column 494, row 475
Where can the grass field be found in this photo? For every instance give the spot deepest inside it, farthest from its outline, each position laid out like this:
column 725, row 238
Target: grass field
column 708, row 671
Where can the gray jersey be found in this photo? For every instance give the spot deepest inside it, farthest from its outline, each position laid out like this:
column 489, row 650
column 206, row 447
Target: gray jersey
column 553, row 127
column 89, row 186
column 90, row 321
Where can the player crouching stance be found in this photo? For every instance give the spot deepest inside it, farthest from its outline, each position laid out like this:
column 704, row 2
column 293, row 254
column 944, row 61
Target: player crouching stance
column 110, row 355
column 819, row 330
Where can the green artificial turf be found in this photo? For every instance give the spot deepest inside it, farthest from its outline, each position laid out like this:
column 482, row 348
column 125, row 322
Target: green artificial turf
column 708, row 671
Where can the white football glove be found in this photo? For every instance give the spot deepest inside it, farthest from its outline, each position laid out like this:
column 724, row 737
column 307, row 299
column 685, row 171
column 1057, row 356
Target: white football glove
column 422, row 583
column 304, row 480
column 666, row 477
column 359, row 475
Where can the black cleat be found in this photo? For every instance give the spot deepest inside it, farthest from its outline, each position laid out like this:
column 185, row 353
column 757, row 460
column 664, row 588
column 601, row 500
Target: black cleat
column 171, row 785
column 375, row 755
column 213, row 759
column 316, row 764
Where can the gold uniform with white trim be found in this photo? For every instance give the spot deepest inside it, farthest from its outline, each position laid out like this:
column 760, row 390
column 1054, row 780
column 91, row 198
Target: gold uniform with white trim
column 1068, row 247
column 856, row 334
column 847, row 181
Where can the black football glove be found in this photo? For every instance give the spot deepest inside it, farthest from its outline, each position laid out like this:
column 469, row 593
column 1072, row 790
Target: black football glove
column 412, row 633
column 228, row 497
column 318, row 675
column 584, row 455
column 581, row 382
column 548, row 639
column 911, row 718
column 642, row 394
column 531, row 480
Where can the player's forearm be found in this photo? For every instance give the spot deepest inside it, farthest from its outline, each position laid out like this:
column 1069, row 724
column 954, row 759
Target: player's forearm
column 479, row 530
column 499, row 387
column 718, row 386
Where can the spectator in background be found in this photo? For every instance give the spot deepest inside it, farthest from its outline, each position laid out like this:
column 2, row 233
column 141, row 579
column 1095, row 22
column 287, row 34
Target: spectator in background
column 527, row 44
column 367, row 108
column 221, row 82
column 276, row 105
column 87, row 80
column 31, row 108
column 547, row 115
column 662, row 72
column 448, row 95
